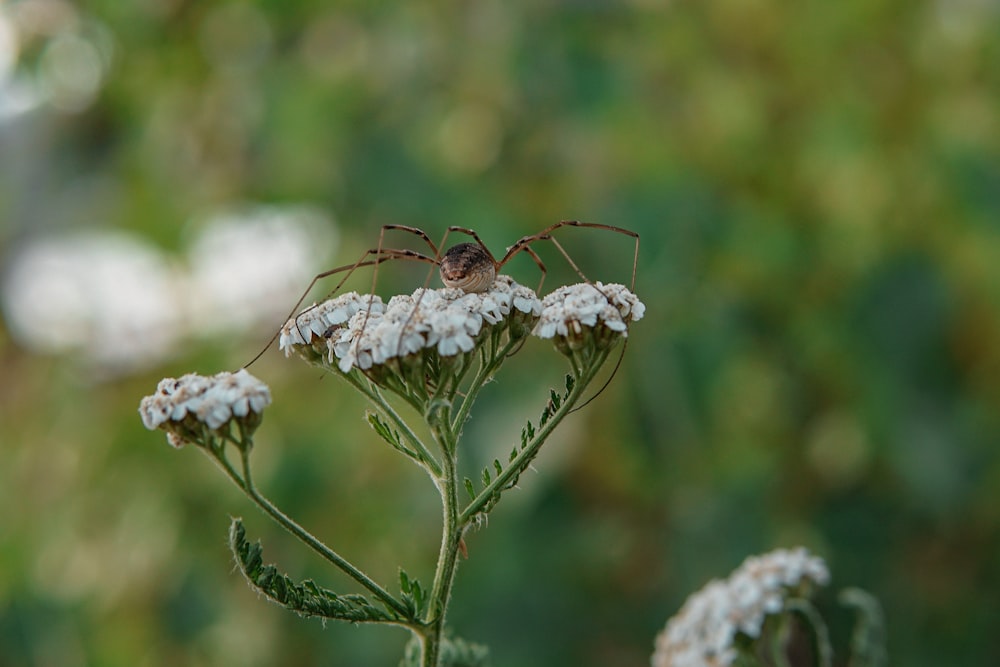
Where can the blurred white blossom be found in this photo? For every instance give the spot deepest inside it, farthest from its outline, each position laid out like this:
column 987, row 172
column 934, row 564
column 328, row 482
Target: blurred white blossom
column 248, row 264
column 120, row 303
column 703, row 631
column 112, row 298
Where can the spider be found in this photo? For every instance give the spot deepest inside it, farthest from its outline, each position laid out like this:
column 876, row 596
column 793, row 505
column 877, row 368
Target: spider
column 467, row 266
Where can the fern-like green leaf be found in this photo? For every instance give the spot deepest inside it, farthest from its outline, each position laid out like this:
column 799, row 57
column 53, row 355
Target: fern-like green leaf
column 414, row 596
column 391, row 436
column 305, row 598
column 527, row 436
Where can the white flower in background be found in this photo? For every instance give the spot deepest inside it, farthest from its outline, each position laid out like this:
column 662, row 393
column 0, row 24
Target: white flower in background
column 187, row 406
column 110, row 298
column 119, row 303
column 703, row 631
column 248, row 264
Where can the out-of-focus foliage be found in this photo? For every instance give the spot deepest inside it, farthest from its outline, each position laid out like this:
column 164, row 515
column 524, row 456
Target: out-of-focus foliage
column 817, row 186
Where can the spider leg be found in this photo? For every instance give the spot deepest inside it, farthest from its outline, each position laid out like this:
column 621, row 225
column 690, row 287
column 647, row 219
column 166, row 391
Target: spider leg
column 416, row 231
column 523, row 245
column 546, row 234
column 541, row 266
column 380, row 255
column 473, row 234
column 403, row 228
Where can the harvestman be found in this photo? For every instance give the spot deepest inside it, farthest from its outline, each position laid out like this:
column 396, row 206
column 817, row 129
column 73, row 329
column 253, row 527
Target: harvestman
column 467, row 266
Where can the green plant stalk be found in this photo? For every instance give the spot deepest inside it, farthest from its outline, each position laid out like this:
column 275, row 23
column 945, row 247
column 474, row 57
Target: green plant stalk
column 446, row 425
column 444, row 574
column 486, row 369
column 779, row 641
column 525, row 456
column 820, row 634
column 428, row 460
column 446, row 430
column 245, row 483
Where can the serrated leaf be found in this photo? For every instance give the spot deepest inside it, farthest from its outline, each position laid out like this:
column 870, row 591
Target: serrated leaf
column 305, row 598
column 385, row 432
column 414, row 596
column 404, row 581
column 497, row 466
column 470, row 488
column 486, row 477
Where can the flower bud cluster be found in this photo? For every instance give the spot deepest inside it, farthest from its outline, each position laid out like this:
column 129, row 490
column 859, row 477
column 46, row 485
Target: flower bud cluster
column 702, row 633
column 444, row 322
column 311, row 328
column 195, row 408
column 577, row 316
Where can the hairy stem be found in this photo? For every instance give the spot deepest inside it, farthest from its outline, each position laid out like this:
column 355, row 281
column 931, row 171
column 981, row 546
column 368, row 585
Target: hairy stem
column 430, row 463
column 444, row 574
column 245, row 483
column 486, row 369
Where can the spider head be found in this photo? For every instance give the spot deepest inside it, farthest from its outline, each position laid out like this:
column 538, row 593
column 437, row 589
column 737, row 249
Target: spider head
column 468, row 267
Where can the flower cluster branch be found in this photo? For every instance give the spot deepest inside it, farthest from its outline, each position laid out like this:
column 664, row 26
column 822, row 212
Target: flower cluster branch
column 434, row 350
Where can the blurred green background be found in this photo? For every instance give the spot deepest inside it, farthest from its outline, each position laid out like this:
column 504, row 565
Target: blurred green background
column 817, row 187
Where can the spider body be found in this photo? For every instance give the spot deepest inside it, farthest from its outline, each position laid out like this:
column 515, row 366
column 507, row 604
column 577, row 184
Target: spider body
column 468, row 267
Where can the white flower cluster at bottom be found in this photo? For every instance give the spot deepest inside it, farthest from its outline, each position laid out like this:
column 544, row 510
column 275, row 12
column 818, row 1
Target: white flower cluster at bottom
column 702, row 632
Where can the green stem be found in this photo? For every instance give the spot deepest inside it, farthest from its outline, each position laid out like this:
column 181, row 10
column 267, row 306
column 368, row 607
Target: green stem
column 525, row 456
column 820, row 634
column 444, row 574
column 485, row 370
column 430, row 463
column 245, row 482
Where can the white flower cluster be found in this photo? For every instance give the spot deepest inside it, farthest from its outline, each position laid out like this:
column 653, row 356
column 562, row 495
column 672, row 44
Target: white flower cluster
column 316, row 320
column 447, row 320
column 212, row 401
column 570, row 309
column 703, row 631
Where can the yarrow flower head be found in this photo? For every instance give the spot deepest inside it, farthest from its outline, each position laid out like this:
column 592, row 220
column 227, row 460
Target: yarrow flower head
column 200, row 410
column 433, row 324
column 576, row 316
column 703, row 632
column 308, row 332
